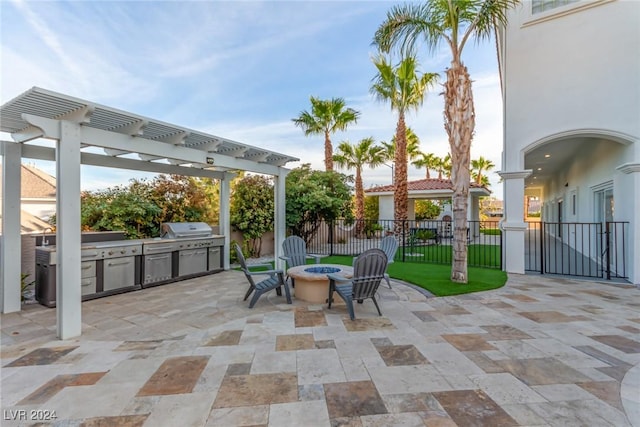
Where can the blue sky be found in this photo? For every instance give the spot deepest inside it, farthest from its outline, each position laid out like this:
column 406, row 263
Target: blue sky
column 240, row 70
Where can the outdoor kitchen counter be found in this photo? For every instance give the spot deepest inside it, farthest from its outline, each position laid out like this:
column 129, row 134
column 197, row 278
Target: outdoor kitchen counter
column 115, row 243
column 115, row 266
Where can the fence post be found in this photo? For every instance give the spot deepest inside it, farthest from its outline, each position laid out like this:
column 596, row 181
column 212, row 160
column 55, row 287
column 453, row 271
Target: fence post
column 541, row 247
column 608, row 249
column 404, row 246
column 496, row 227
column 331, row 237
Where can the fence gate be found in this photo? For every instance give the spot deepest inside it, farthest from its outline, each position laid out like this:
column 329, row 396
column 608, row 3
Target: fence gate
column 597, row 250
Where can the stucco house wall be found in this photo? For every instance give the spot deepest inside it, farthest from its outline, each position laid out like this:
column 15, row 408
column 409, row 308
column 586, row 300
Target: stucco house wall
column 560, row 74
column 570, row 85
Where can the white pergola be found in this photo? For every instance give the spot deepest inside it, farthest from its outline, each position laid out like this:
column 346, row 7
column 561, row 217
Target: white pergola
column 88, row 133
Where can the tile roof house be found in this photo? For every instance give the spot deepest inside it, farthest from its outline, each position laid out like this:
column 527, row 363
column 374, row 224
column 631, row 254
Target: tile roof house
column 430, row 188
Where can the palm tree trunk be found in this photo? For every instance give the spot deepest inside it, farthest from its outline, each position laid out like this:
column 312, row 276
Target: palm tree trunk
column 428, row 175
column 401, row 193
column 359, row 202
column 328, row 153
column 460, row 125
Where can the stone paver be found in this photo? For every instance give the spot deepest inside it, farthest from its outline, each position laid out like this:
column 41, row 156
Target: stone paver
column 539, row 351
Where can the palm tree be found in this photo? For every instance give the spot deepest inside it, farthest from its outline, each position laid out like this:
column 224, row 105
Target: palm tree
column 326, row 117
column 484, row 181
column 357, row 156
column 442, row 165
column 404, row 88
column 452, row 22
column 413, row 146
column 447, row 165
column 426, row 161
column 478, row 166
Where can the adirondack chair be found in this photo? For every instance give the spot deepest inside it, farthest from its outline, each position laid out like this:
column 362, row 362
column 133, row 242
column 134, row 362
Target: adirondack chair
column 389, row 245
column 274, row 280
column 368, row 272
column 295, row 253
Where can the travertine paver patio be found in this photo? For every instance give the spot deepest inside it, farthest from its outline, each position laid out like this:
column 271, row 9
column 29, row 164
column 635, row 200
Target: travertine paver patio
column 539, row 352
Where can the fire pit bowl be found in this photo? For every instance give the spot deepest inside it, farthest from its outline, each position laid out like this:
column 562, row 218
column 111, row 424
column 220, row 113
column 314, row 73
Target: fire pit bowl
column 322, row 270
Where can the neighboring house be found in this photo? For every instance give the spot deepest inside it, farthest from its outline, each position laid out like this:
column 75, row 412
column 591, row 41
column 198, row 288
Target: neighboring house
column 426, row 189
column 38, row 192
column 38, row 198
column 572, row 134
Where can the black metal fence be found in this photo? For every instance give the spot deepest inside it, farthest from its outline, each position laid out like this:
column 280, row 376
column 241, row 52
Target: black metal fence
column 596, row 250
column 428, row 241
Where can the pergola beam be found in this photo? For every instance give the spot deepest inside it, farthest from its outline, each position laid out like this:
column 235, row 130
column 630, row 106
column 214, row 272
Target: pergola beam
column 143, row 146
column 46, row 153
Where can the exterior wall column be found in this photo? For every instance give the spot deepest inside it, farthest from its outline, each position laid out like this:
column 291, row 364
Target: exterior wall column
column 10, row 244
column 513, row 224
column 225, row 217
column 634, row 226
column 68, row 237
column 280, row 216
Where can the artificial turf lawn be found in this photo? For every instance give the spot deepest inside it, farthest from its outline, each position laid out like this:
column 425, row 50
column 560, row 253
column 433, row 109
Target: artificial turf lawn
column 477, row 255
column 436, row 277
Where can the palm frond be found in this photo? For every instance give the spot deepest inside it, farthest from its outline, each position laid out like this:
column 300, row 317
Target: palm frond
column 405, row 26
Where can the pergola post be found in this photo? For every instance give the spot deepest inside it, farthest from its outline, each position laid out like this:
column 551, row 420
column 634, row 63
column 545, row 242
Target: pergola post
column 68, row 238
column 280, row 216
column 10, row 246
column 225, row 216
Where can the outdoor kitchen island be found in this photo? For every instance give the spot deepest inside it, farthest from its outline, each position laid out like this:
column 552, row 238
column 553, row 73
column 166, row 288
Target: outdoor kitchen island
column 185, row 250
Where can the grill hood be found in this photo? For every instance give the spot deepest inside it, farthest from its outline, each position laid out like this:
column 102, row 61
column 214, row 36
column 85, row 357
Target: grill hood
column 183, row 230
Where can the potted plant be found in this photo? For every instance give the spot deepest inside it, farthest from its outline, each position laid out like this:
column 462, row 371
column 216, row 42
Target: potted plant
column 25, row 292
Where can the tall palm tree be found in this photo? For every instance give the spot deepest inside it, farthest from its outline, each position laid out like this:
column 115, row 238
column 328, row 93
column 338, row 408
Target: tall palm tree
column 357, row 156
column 426, row 161
column 453, row 22
column 413, row 146
column 326, row 117
column 404, row 88
column 478, row 167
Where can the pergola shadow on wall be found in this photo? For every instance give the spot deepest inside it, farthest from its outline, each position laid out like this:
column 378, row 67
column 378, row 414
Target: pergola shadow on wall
column 88, row 133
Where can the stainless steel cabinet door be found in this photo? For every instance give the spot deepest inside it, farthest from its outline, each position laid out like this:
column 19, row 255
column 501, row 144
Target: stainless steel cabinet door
column 119, row 273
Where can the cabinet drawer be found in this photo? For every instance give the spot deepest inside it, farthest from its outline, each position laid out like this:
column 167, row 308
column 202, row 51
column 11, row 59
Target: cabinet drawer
column 88, row 286
column 88, row 269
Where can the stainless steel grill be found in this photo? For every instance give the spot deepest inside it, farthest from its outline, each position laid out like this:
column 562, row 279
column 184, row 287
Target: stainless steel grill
column 183, row 230
column 185, row 249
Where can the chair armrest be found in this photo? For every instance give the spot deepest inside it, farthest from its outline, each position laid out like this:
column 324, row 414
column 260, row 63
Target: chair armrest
column 265, row 272
column 316, row 258
column 338, row 278
column 284, row 258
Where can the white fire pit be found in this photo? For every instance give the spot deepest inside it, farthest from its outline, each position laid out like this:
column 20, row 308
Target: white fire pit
column 311, row 282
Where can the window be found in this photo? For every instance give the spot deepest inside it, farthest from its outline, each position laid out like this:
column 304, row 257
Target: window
column 538, row 6
column 604, row 205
